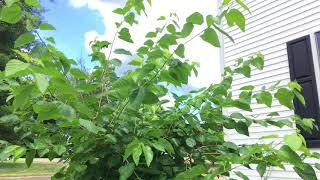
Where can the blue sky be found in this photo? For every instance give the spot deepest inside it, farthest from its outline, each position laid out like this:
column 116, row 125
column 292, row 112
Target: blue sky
column 71, row 24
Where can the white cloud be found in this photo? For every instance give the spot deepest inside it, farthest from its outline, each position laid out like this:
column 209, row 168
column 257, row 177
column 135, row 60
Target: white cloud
column 78, row 3
column 196, row 50
column 89, row 37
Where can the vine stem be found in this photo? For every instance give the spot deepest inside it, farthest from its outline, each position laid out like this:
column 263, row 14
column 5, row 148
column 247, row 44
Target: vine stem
column 44, row 43
column 121, row 110
column 103, row 86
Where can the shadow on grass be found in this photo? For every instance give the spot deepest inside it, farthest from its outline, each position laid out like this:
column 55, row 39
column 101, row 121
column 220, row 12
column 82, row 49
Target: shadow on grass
column 19, row 168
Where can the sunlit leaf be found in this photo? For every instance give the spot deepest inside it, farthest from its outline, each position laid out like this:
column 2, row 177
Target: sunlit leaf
column 34, row 3
column 285, row 97
column 46, row 26
column 234, row 16
column 293, row 141
column 24, row 39
column 211, row 37
column 148, row 154
column 180, row 51
column 124, row 34
column 195, row 18
column 14, row 67
column 11, row 14
column 42, row 81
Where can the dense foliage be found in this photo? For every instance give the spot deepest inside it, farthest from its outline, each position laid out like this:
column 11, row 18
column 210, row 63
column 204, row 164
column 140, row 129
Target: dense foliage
column 9, row 32
column 109, row 127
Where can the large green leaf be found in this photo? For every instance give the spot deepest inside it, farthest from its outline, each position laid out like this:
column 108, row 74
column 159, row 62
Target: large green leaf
column 287, row 154
column 190, row 142
column 130, row 148
column 294, row 85
column 155, row 54
column 150, row 98
column 171, row 28
column 264, row 97
column 244, row 6
column 258, row 61
column 211, row 37
column 54, row 110
column 59, row 149
column 19, row 152
column 180, row 51
column 167, row 145
column 151, row 35
column 11, row 2
column 261, row 168
column 136, row 154
column 137, row 96
column 15, row 67
column 247, row 88
column 78, row 73
column 130, row 18
column 148, row 154
column 136, row 62
column 241, row 175
column 124, row 34
column 242, row 105
column 186, row 30
column 285, row 97
column 225, row 2
column 41, row 81
column 24, row 39
column 22, row 96
column 90, row 126
column 122, row 51
column 293, row 141
column 167, row 40
column 246, row 70
column 46, row 26
column 299, row 97
column 195, row 18
column 29, row 157
column 159, row 146
column 192, row 172
column 11, row 14
column 63, row 86
column 126, row 171
column 306, row 172
column 242, row 128
column 34, row 3
column 234, row 16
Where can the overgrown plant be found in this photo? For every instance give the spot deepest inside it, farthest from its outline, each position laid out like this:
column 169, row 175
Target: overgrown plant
column 109, row 127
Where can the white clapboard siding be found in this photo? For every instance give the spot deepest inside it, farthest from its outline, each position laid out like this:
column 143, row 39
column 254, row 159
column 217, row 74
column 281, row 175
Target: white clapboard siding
column 269, row 26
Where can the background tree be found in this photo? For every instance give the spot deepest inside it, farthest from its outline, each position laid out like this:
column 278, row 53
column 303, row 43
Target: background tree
column 9, row 32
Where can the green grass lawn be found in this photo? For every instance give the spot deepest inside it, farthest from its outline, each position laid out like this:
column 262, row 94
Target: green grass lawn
column 19, row 168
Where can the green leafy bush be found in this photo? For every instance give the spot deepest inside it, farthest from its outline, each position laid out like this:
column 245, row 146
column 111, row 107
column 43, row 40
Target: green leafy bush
column 9, row 32
column 109, row 127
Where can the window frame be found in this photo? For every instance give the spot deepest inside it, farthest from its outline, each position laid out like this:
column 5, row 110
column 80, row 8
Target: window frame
column 314, row 45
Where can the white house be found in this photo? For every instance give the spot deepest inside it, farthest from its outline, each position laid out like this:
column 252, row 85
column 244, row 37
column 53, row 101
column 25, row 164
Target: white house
column 287, row 33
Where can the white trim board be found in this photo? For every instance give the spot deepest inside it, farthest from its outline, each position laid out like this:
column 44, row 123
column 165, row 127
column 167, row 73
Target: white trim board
column 316, row 59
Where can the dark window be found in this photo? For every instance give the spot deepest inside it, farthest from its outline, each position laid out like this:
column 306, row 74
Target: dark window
column 302, row 70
